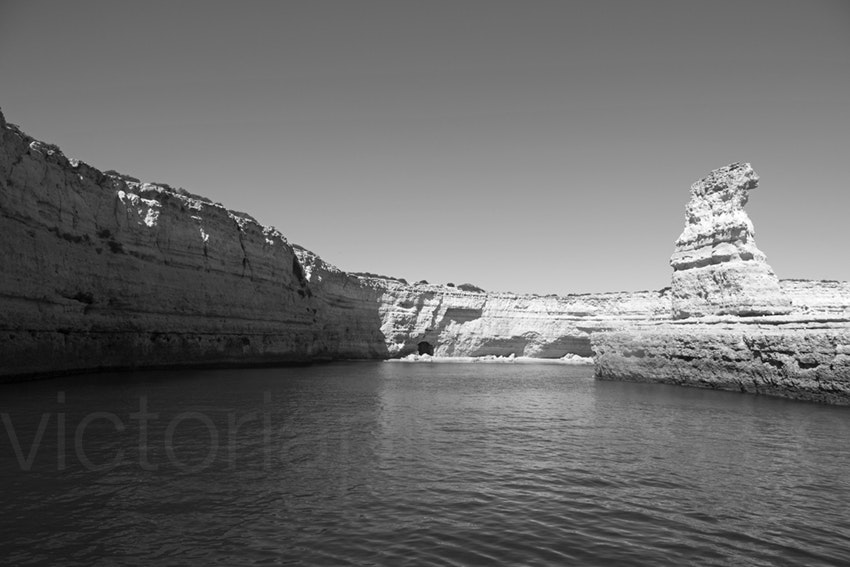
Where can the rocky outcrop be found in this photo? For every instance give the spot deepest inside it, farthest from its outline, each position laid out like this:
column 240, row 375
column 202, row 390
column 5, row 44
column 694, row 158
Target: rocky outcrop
column 732, row 324
column 717, row 267
column 100, row 270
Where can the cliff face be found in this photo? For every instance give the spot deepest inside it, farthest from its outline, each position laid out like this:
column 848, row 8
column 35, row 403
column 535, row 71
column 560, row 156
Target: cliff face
column 100, row 270
column 348, row 312
column 392, row 317
column 717, row 267
column 462, row 323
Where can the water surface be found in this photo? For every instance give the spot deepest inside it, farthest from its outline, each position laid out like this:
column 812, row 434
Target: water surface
column 416, row 464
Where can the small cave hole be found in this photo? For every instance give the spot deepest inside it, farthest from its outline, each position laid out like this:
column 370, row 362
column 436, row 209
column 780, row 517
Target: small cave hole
column 426, row 348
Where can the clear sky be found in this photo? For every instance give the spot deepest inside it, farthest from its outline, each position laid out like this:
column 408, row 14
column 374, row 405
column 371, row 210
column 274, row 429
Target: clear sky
column 528, row 146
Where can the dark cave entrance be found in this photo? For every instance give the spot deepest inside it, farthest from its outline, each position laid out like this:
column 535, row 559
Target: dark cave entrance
column 426, row 348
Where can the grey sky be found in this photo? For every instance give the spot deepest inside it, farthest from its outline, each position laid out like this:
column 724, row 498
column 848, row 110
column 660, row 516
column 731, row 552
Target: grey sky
column 529, row 146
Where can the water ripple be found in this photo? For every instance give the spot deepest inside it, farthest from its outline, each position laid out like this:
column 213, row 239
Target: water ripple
column 375, row 464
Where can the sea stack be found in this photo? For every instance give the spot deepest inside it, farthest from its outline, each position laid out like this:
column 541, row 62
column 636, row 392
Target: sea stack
column 717, row 267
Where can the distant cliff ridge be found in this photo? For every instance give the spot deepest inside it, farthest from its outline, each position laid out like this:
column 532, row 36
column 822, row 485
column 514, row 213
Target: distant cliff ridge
column 394, row 317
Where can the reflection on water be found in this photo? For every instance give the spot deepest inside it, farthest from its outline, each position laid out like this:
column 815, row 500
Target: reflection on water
column 388, row 464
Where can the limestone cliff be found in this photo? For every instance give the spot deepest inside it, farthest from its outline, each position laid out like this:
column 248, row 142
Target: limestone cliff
column 349, row 312
column 393, row 317
column 462, row 323
column 100, row 270
column 717, row 267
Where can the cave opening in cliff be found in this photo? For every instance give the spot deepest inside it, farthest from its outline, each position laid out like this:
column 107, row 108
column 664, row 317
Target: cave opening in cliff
column 426, row 348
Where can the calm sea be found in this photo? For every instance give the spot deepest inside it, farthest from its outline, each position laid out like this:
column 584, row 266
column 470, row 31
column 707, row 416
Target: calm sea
column 416, row 464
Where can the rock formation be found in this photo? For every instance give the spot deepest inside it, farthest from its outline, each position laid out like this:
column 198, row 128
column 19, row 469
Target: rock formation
column 798, row 348
column 717, row 267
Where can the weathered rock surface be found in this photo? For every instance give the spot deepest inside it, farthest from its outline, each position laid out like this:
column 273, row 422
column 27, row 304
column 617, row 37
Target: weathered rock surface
column 455, row 322
column 103, row 271
column 815, row 299
column 717, row 267
column 804, row 359
column 348, row 312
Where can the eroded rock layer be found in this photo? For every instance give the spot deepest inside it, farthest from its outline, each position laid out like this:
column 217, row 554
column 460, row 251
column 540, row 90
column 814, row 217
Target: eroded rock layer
column 804, row 360
column 717, row 267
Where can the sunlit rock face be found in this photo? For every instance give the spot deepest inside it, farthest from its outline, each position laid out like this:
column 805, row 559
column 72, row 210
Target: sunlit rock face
column 466, row 323
column 814, row 298
column 386, row 317
column 362, row 316
column 100, row 270
column 717, row 267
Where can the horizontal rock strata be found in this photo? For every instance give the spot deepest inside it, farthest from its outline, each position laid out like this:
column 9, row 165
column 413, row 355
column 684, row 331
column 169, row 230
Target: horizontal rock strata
column 717, row 267
column 99, row 270
column 803, row 360
column 464, row 323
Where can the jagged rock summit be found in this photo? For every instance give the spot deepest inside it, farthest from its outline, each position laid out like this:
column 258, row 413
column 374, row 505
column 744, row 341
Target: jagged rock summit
column 717, row 267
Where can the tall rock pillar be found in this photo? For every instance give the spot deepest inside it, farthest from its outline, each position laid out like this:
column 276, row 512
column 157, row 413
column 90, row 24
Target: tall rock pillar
column 717, row 267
